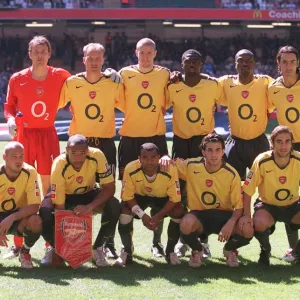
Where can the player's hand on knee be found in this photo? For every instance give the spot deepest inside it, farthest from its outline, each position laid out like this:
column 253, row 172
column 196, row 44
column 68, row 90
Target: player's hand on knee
column 146, row 221
column 176, row 77
column 245, row 221
column 81, row 210
column 12, row 127
column 6, row 224
column 3, row 240
column 226, row 231
column 113, row 75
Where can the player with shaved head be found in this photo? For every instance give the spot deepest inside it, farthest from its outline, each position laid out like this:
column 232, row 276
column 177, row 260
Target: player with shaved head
column 19, row 201
column 144, row 107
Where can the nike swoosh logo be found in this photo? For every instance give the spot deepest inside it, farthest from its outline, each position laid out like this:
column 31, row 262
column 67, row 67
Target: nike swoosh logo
column 275, row 92
column 232, row 86
column 2, row 185
column 197, row 172
column 139, row 180
column 179, row 91
column 77, row 87
column 129, row 77
column 269, row 171
column 23, row 83
column 70, row 177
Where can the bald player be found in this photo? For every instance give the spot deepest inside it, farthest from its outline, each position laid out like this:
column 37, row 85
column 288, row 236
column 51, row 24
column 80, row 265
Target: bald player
column 284, row 94
column 19, row 201
column 144, row 107
column 193, row 100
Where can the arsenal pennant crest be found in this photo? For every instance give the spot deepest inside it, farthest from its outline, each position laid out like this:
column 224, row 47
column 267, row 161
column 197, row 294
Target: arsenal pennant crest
column 282, row 179
column 92, row 94
column 192, row 98
column 245, row 94
column 73, row 237
column 145, row 84
column 39, row 91
column 290, row 97
column 209, row 182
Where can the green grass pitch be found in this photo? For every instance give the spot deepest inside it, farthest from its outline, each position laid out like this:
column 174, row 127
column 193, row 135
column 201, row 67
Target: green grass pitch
column 148, row 278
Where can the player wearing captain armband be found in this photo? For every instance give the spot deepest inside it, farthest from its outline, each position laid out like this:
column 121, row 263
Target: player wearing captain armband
column 19, row 201
column 276, row 173
column 73, row 178
column 146, row 185
column 215, row 202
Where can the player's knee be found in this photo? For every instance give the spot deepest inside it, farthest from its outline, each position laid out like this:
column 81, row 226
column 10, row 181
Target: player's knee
column 125, row 219
column 125, row 209
column 187, row 224
column 46, row 214
column 177, row 212
column 34, row 223
column 260, row 224
column 247, row 231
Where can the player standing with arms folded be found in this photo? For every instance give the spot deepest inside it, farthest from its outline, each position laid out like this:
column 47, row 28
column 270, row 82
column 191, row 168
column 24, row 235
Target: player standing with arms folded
column 284, row 94
column 144, row 107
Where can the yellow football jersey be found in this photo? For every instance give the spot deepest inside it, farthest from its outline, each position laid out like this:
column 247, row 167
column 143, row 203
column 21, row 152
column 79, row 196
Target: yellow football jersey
column 66, row 180
column 166, row 184
column 193, row 106
column 247, row 105
column 92, row 105
column 287, row 102
column 276, row 186
column 219, row 190
column 145, row 101
column 20, row 193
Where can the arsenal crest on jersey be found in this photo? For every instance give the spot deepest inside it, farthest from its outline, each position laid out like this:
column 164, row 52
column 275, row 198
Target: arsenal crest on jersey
column 11, row 190
column 148, row 189
column 92, row 95
column 145, row 84
column 192, row 98
column 290, row 97
column 209, row 182
column 79, row 179
column 245, row 94
column 282, row 179
column 39, row 91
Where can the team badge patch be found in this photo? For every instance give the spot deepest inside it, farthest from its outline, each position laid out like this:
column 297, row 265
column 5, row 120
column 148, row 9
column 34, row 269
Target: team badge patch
column 92, row 94
column 145, row 84
column 36, row 188
column 249, row 178
column 148, row 189
column 245, row 94
column 209, row 182
column 282, row 179
column 39, row 91
column 79, row 179
column 11, row 190
column 53, row 191
column 192, row 98
column 290, row 97
column 177, row 185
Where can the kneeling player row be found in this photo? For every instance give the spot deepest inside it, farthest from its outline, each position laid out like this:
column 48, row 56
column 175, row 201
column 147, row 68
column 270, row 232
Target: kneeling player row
column 213, row 193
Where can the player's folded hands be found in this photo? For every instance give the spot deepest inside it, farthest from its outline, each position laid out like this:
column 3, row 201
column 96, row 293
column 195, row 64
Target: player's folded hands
column 3, row 240
column 147, row 221
column 12, row 127
column 113, row 75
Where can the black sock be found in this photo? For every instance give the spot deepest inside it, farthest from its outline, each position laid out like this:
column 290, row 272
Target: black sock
column 30, row 239
column 48, row 222
column 173, row 236
column 236, row 241
column 126, row 232
column 263, row 239
column 109, row 220
column 292, row 236
column 192, row 240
